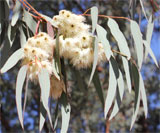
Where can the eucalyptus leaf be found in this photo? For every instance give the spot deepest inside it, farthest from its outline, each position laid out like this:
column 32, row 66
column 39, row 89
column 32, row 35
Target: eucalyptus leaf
column 150, row 28
column 95, row 59
column 136, row 80
column 119, row 96
column 28, row 19
column 150, row 52
column 94, row 18
column 137, row 37
column 50, row 30
column 44, row 81
column 144, row 96
column 49, row 20
column 127, row 72
column 65, row 117
column 118, row 35
column 98, row 87
column 111, row 89
column 141, row 3
column 42, row 116
column 19, row 86
column 12, row 61
column 22, row 37
column 102, row 37
column 16, row 12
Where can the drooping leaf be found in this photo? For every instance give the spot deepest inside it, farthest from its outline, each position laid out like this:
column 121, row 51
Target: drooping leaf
column 143, row 95
column 42, row 116
column 44, row 81
column 28, row 19
column 50, row 30
column 150, row 51
column 65, row 117
column 94, row 17
column 136, row 80
column 22, row 37
column 137, row 37
column 135, row 111
column 98, row 87
column 119, row 96
column 141, row 3
column 55, row 71
column 150, row 27
column 118, row 35
column 49, row 20
column 16, row 12
column 112, row 86
column 95, row 59
column 12, row 61
column 127, row 72
column 19, row 86
column 102, row 34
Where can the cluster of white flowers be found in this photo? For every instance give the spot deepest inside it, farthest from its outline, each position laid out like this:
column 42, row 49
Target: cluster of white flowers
column 38, row 54
column 75, row 41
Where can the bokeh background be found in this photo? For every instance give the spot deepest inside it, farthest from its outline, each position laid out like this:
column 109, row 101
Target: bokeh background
column 87, row 112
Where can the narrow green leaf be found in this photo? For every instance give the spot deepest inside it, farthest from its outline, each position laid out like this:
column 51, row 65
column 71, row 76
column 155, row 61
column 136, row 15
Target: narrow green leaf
column 150, row 28
column 19, row 86
column 102, row 37
column 118, row 35
column 150, row 52
column 112, row 87
column 42, row 116
column 16, row 11
column 44, row 81
column 65, row 117
column 127, row 72
column 12, row 61
column 136, row 80
column 144, row 97
column 95, row 59
column 28, row 19
column 22, row 37
column 98, row 87
column 137, row 37
column 49, row 20
column 135, row 111
column 94, row 17
column 119, row 96
column 141, row 3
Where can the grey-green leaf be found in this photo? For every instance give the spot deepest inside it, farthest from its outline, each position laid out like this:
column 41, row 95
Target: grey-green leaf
column 65, row 117
column 44, row 81
column 127, row 72
column 98, row 87
column 49, row 19
column 95, row 59
column 102, row 37
column 94, row 17
column 118, row 35
column 150, row 27
column 144, row 97
column 19, row 86
column 141, row 3
column 28, row 19
column 111, row 89
column 12, row 61
column 22, row 37
column 136, row 80
column 137, row 37
column 119, row 96
column 16, row 11
column 150, row 52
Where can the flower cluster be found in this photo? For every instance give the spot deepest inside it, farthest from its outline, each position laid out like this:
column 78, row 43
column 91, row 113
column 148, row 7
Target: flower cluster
column 38, row 54
column 75, row 41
